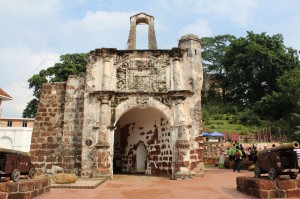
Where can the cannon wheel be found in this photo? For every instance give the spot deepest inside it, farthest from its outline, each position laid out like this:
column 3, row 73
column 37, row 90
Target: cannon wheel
column 31, row 173
column 257, row 172
column 293, row 175
column 15, row 176
column 272, row 174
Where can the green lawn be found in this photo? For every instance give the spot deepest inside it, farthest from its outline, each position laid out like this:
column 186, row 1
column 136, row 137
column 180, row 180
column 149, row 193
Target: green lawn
column 227, row 123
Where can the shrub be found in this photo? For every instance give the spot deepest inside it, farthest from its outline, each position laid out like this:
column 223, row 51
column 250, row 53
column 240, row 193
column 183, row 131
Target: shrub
column 249, row 118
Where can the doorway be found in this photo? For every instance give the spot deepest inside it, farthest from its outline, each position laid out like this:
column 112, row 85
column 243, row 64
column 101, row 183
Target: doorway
column 142, row 142
column 141, row 155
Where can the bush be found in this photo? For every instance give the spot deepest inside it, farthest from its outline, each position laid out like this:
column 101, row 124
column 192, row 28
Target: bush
column 249, row 118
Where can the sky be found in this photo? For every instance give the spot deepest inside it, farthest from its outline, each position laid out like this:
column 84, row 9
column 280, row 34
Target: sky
column 34, row 33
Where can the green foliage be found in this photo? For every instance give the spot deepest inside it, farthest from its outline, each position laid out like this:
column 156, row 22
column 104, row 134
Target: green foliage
column 71, row 64
column 258, row 72
column 214, row 49
column 284, row 101
column 254, row 63
column 30, row 110
column 249, row 118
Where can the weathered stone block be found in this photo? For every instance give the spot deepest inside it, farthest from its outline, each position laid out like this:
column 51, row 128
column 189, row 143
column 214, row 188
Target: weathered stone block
column 280, row 194
column 241, row 181
column 286, row 184
column 19, row 195
column 26, row 186
column 298, row 182
column 3, row 195
column 8, row 187
column 293, row 193
column 261, row 193
column 34, row 193
column 264, row 184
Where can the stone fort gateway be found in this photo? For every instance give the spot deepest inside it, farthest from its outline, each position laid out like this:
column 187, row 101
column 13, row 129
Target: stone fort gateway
column 133, row 111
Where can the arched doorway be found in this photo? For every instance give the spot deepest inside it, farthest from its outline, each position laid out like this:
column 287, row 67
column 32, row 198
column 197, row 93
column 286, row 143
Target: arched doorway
column 141, row 155
column 143, row 143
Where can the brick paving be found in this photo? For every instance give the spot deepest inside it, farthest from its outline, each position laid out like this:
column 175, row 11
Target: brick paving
column 216, row 184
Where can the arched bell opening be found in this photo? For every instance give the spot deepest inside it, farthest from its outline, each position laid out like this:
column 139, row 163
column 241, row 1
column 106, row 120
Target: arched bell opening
column 143, row 143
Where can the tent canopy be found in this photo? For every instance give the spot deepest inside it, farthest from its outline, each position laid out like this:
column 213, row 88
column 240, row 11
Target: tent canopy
column 205, row 134
column 215, row 133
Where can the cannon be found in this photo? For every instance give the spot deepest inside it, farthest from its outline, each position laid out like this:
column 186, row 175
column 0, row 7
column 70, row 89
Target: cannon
column 14, row 163
column 281, row 160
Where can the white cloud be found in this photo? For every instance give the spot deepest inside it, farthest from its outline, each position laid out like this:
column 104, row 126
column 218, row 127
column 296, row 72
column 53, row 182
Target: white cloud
column 21, row 95
column 97, row 29
column 19, row 65
column 200, row 28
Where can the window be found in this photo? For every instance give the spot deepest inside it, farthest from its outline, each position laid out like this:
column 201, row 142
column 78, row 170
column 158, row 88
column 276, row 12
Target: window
column 24, row 124
column 9, row 123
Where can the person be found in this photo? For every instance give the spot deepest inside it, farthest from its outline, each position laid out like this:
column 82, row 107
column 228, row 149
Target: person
column 230, row 153
column 221, row 159
column 237, row 159
column 255, row 157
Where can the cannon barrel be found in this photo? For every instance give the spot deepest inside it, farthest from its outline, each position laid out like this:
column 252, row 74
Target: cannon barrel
column 291, row 145
column 11, row 151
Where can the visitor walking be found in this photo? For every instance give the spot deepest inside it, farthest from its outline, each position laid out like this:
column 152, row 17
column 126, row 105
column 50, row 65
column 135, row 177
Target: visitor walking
column 237, row 159
column 230, row 153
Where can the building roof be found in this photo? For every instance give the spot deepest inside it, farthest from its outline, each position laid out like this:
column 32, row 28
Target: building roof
column 4, row 96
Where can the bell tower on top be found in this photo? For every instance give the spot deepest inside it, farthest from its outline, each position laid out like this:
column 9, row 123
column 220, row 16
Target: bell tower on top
column 141, row 18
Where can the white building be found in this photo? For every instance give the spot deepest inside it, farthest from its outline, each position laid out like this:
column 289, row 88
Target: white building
column 13, row 133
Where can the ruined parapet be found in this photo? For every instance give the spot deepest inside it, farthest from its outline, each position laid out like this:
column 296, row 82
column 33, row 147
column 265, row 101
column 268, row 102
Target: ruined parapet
column 141, row 18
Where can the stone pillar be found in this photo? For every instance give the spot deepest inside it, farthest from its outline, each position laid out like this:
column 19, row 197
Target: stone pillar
column 151, row 35
column 105, row 114
column 182, row 158
column 106, row 74
column 179, row 112
column 131, row 43
column 177, row 76
column 103, row 165
column 182, row 144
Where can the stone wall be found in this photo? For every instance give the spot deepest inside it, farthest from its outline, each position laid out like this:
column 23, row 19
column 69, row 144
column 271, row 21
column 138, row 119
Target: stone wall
column 73, row 124
column 211, row 152
column 24, row 189
column 57, row 134
column 265, row 188
column 46, row 143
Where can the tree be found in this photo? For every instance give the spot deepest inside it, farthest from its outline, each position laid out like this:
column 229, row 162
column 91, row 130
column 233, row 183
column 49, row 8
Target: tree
column 254, row 63
column 285, row 100
column 214, row 49
column 31, row 108
column 71, row 64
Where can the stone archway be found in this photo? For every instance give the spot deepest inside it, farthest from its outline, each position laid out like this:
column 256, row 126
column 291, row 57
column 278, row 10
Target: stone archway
column 143, row 142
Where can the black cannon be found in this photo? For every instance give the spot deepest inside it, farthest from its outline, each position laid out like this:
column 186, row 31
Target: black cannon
column 14, row 163
column 281, row 160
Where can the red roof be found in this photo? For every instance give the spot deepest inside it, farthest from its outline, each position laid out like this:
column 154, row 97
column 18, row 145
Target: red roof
column 4, row 95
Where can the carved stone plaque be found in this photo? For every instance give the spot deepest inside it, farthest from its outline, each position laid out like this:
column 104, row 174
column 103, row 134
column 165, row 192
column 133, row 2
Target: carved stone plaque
column 141, row 75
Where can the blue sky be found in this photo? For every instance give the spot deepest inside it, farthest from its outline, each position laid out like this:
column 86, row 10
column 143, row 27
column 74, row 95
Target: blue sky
column 34, row 33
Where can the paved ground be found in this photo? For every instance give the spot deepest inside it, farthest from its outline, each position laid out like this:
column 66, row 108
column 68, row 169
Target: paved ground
column 216, row 184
